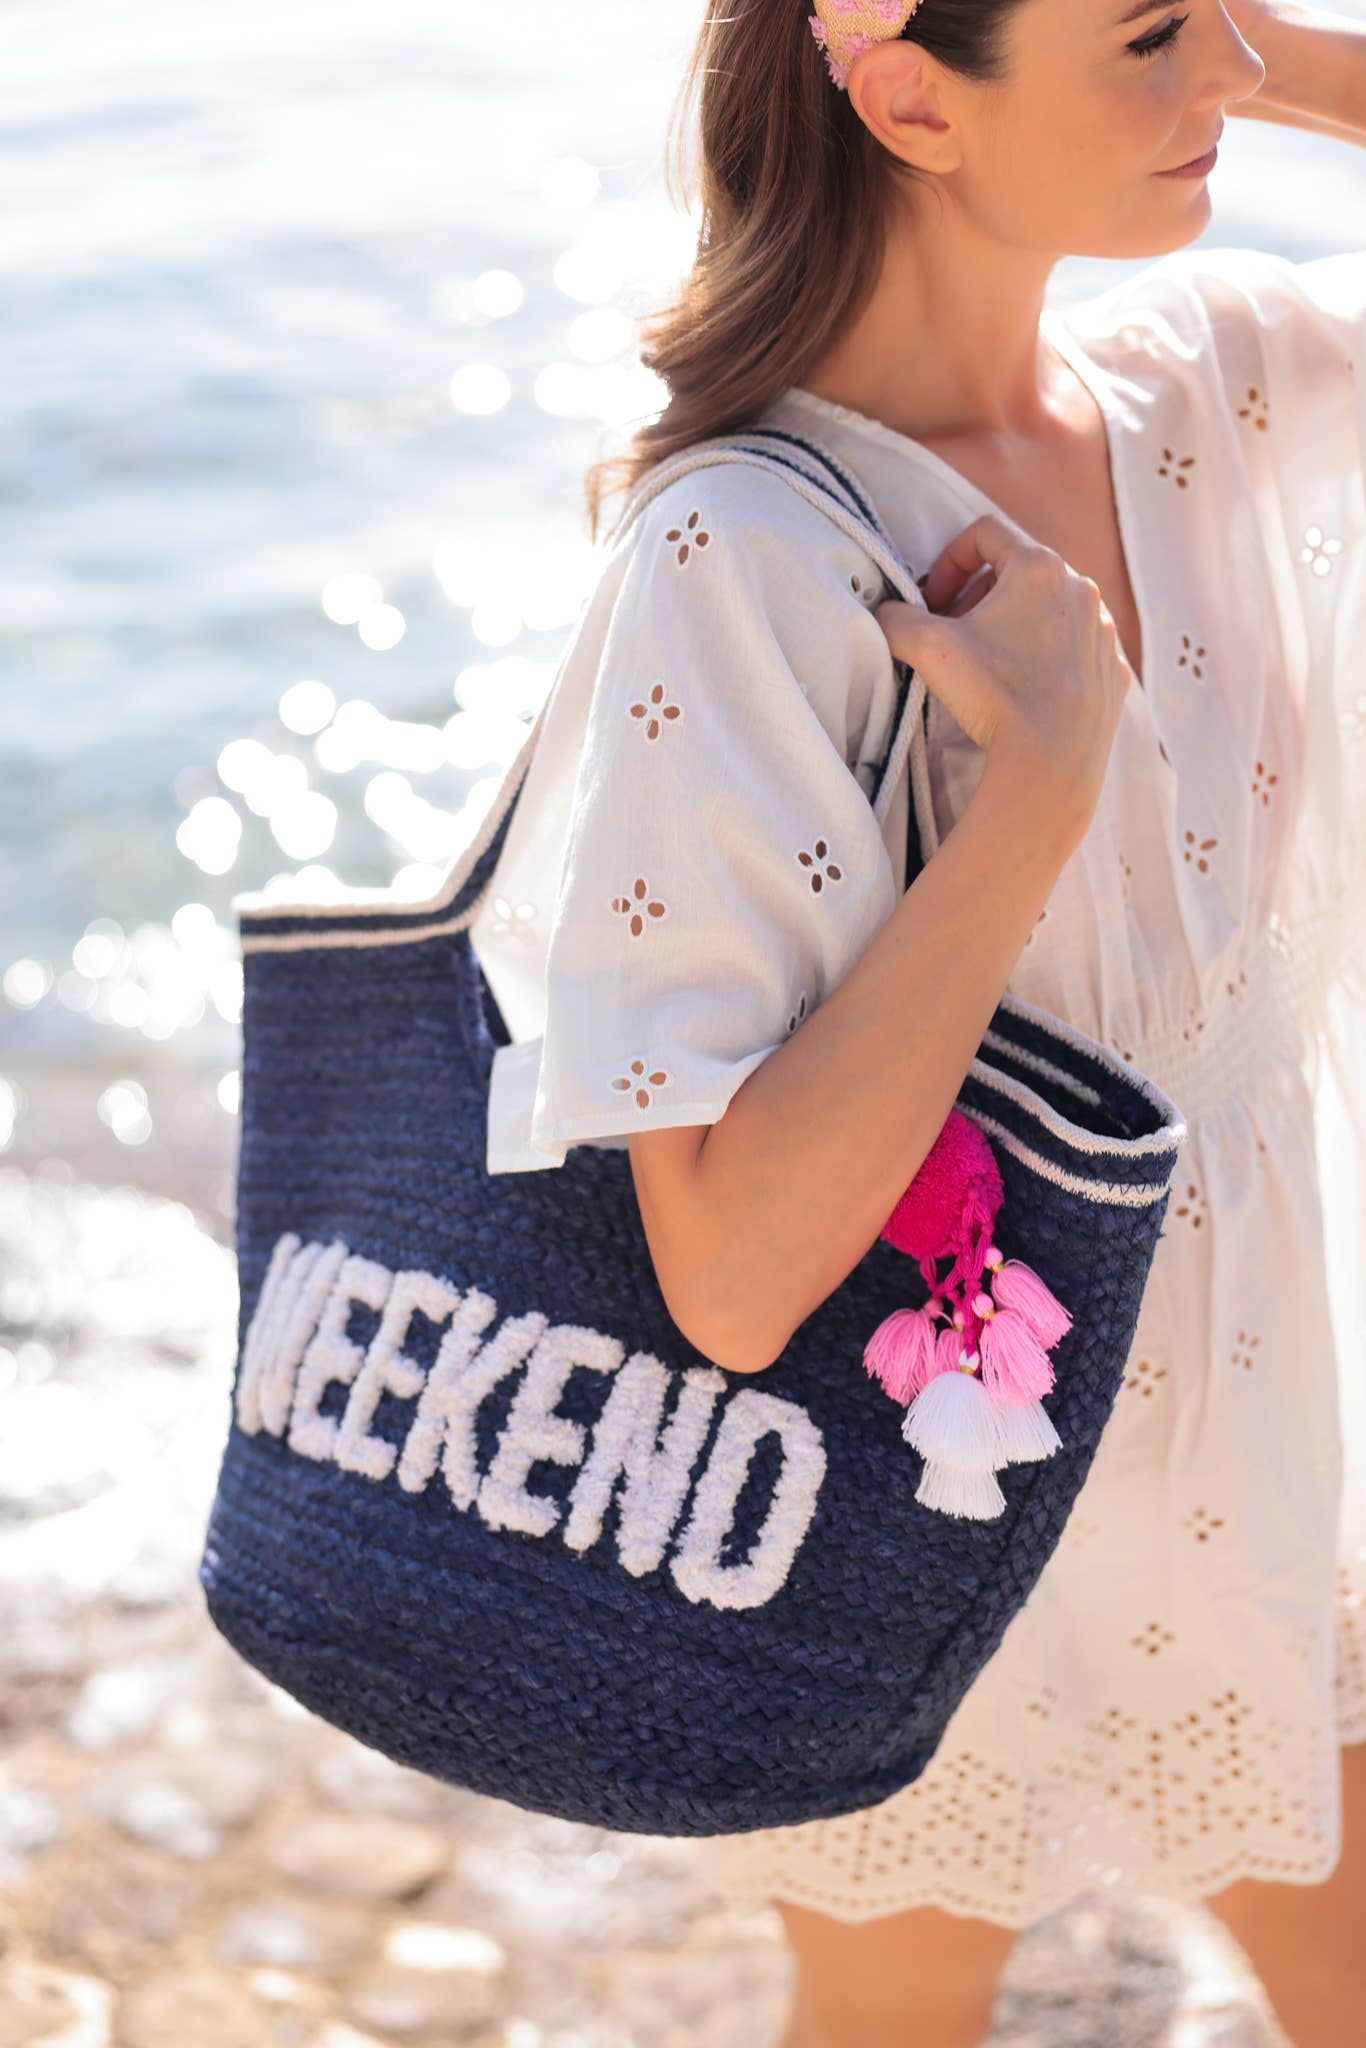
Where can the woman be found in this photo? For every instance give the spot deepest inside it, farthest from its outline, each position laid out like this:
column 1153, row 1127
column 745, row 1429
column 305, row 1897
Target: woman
column 1144, row 529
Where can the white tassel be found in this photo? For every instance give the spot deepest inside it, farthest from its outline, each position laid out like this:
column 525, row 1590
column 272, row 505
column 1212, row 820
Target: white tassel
column 1027, row 1432
column 954, row 1421
column 976, row 1496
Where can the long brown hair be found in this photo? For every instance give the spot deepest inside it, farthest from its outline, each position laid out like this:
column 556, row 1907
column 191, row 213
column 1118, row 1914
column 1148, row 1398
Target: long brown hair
column 792, row 190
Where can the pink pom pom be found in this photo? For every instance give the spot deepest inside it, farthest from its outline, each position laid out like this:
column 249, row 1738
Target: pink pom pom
column 1017, row 1286
column 958, row 1184
column 1015, row 1366
column 901, row 1352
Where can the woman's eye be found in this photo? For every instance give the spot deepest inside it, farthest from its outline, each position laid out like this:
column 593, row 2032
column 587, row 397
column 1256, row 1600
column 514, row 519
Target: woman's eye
column 1163, row 40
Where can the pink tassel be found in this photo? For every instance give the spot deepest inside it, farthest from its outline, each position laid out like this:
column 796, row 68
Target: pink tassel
column 1014, row 1364
column 1017, row 1286
column 947, row 1346
column 901, row 1352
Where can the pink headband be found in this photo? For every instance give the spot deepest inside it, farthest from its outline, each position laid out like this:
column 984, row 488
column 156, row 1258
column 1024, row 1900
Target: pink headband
column 843, row 28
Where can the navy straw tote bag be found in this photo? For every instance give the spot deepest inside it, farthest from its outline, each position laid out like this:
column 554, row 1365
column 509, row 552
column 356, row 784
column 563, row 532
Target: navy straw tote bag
column 483, row 1506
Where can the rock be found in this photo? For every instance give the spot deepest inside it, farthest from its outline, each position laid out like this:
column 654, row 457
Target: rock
column 39, row 1633
column 365, row 1781
column 292, row 1933
column 30, row 1819
column 728, row 1993
column 124, row 1701
column 358, row 1856
column 441, row 2002
column 427, row 1945
column 184, row 1803
column 44, row 2008
column 206, row 2008
column 117, row 1905
column 151, row 1810
column 297, row 2005
column 152, row 1579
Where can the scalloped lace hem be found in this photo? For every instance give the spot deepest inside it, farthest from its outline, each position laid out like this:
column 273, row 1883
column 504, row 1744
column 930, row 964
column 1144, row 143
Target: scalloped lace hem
column 842, row 1867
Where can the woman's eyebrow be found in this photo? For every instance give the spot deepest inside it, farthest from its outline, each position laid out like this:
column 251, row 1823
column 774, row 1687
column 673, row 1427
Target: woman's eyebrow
column 1140, row 8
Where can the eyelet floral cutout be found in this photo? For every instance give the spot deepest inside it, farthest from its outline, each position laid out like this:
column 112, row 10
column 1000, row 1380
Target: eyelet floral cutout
column 655, row 712
column 641, row 1079
column 640, row 909
column 1143, row 1376
column 1192, row 1209
column 1043, row 1704
column 1263, row 782
column 1202, row 1524
column 822, row 868
column 1194, row 851
column 1319, row 551
column 1237, row 988
column 1243, row 1350
column 1154, row 1639
column 1255, row 409
column 1193, row 1026
column 1126, row 876
column 1169, row 466
column 509, row 921
column 684, row 539
column 1139, row 337
column 1191, row 657
column 798, row 1015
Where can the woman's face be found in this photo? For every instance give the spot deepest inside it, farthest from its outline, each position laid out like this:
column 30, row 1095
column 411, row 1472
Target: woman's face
column 1066, row 155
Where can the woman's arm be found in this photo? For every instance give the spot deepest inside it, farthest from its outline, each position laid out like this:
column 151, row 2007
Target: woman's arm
column 754, row 1220
column 1315, row 67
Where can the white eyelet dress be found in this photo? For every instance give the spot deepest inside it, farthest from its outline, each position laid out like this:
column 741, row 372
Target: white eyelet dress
column 694, row 866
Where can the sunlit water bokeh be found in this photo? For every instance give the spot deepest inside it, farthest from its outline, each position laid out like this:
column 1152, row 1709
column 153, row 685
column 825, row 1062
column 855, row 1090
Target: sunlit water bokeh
column 314, row 317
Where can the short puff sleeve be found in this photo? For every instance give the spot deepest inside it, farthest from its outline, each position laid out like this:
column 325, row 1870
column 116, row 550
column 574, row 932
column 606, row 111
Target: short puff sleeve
column 1290, row 341
column 723, row 867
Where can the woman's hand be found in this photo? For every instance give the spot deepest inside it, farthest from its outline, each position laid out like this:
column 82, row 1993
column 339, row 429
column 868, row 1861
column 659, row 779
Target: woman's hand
column 1315, row 67
column 1022, row 651
column 1259, row 22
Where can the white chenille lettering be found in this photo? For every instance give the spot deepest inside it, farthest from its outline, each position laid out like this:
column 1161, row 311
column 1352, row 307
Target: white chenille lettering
column 626, row 1440
column 332, row 1356
column 256, row 1345
column 297, row 1345
column 298, row 1321
column 291, row 1302
column 696, row 1565
column 462, row 1373
column 388, row 1370
column 533, row 1430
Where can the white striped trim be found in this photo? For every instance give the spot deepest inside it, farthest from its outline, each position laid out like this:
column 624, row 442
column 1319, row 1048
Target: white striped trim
column 1075, row 1135
column 384, row 903
column 1101, row 1056
column 1090, row 1190
column 1034, row 1060
column 314, row 941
